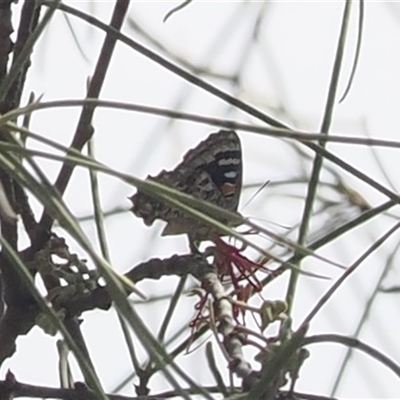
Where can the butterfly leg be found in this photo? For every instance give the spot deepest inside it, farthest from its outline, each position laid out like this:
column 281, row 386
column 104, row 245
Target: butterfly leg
column 193, row 244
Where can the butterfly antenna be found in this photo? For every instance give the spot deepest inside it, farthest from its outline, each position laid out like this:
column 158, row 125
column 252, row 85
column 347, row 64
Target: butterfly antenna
column 262, row 187
column 277, row 224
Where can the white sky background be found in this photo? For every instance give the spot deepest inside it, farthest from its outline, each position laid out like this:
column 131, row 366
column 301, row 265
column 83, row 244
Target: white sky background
column 289, row 68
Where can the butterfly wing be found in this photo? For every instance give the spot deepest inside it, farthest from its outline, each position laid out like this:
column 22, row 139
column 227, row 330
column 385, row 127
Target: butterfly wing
column 212, row 171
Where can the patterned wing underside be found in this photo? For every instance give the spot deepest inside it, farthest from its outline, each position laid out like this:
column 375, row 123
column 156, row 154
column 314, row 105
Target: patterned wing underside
column 212, row 171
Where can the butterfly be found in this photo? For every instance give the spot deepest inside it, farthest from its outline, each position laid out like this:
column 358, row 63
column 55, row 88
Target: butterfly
column 212, row 171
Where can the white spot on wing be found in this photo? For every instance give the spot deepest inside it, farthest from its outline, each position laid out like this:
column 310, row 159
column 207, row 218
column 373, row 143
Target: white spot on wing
column 229, row 161
column 231, row 174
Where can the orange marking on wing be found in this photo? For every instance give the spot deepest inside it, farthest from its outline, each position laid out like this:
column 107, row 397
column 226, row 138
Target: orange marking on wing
column 228, row 189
